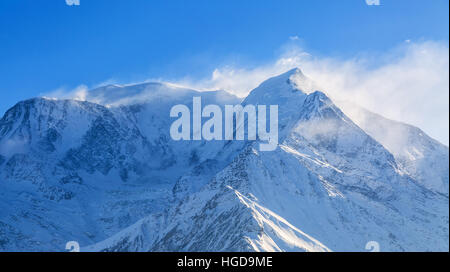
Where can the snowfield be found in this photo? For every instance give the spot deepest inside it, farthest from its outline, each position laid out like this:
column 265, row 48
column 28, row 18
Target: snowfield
column 107, row 174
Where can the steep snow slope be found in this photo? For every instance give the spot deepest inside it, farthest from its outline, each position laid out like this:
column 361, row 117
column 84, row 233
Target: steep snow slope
column 328, row 186
column 417, row 154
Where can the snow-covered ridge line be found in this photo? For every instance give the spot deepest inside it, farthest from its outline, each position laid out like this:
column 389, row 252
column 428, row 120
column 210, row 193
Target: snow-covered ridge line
column 112, row 177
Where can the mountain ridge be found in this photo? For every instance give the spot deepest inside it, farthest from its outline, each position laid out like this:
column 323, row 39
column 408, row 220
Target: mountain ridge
column 330, row 185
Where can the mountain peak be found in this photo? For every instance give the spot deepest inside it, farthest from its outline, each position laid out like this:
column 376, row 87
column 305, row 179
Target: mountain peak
column 292, row 86
column 294, row 71
column 301, row 82
column 289, row 76
column 288, row 83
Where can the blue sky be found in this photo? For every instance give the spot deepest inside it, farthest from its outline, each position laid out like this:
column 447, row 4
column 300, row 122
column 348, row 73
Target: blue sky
column 46, row 45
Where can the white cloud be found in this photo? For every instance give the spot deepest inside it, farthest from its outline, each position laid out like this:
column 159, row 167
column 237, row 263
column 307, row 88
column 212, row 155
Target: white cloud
column 73, row 2
column 409, row 83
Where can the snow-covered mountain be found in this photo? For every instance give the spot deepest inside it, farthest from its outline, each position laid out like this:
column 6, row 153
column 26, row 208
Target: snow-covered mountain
column 83, row 170
column 417, row 154
column 108, row 175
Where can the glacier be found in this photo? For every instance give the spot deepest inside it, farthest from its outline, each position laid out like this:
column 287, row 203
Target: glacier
column 106, row 173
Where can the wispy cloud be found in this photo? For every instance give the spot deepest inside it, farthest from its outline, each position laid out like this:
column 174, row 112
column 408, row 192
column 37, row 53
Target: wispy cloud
column 409, row 83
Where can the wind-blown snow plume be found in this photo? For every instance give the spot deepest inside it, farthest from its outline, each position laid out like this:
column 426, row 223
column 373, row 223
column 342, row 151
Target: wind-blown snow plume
column 409, row 83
